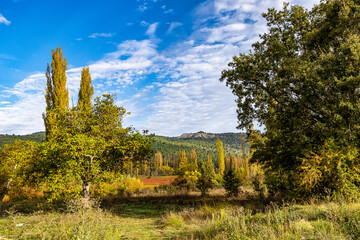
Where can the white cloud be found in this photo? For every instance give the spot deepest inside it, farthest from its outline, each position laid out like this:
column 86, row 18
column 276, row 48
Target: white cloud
column 195, row 100
column 144, row 23
column 24, row 116
column 183, row 94
column 4, row 20
column 172, row 26
column 142, row 8
column 152, row 29
column 95, row 35
column 169, row 11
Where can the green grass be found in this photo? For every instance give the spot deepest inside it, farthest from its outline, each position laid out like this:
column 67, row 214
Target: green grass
column 143, row 219
column 123, row 221
column 322, row 221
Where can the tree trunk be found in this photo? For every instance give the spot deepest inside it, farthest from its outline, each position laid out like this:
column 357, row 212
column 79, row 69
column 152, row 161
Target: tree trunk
column 1, row 199
column 86, row 189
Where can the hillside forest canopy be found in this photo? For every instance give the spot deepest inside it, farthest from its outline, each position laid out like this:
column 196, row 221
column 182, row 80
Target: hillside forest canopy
column 300, row 81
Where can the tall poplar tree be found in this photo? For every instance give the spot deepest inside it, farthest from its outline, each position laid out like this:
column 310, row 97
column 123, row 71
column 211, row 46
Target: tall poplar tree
column 242, row 146
column 193, row 159
column 86, row 90
column 220, row 151
column 57, row 95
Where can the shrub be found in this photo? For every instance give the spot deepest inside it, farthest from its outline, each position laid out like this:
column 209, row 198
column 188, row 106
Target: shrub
column 119, row 185
column 173, row 220
column 231, row 183
column 187, row 180
column 206, row 180
column 332, row 169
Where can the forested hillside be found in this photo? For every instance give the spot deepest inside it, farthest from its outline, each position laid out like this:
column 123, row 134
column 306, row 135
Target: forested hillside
column 9, row 139
column 204, row 143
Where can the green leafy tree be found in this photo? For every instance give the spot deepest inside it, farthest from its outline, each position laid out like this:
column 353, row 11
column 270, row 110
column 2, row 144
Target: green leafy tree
column 207, row 178
column 85, row 142
column 71, row 165
column 13, row 159
column 301, row 82
column 231, row 183
column 107, row 120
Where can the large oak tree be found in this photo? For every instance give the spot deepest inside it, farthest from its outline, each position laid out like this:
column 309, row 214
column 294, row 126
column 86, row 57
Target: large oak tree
column 301, row 81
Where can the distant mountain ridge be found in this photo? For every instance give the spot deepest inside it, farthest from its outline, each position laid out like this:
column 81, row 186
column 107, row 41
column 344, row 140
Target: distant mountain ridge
column 198, row 135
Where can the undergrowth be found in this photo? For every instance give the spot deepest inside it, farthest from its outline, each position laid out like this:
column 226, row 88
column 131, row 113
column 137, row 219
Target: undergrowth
column 81, row 220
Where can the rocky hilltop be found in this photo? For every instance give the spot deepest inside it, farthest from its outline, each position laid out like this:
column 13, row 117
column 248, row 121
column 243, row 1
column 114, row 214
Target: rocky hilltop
column 198, row 135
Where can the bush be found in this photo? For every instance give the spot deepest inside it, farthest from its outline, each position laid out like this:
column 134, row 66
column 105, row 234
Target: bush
column 166, row 171
column 231, row 183
column 331, row 170
column 120, row 185
column 188, row 180
column 206, row 180
column 173, row 220
column 259, row 187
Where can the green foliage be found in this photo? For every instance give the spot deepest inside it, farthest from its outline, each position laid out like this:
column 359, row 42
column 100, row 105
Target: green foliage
column 10, row 139
column 81, row 220
column 83, row 142
column 231, row 183
column 112, row 184
column 187, row 174
column 166, row 171
column 301, row 82
column 170, row 146
column 324, row 221
column 220, row 152
column 173, row 220
column 14, row 158
column 206, row 180
column 333, row 169
column 86, row 90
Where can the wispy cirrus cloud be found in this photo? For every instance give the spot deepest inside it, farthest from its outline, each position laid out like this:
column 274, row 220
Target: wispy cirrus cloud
column 172, row 26
column 96, row 35
column 7, row 57
column 4, row 20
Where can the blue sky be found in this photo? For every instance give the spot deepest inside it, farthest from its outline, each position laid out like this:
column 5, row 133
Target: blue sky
column 162, row 58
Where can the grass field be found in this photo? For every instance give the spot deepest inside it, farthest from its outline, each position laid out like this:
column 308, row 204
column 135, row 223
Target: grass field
column 183, row 217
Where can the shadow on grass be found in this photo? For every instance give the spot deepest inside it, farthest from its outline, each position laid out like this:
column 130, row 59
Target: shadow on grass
column 141, row 206
column 151, row 206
